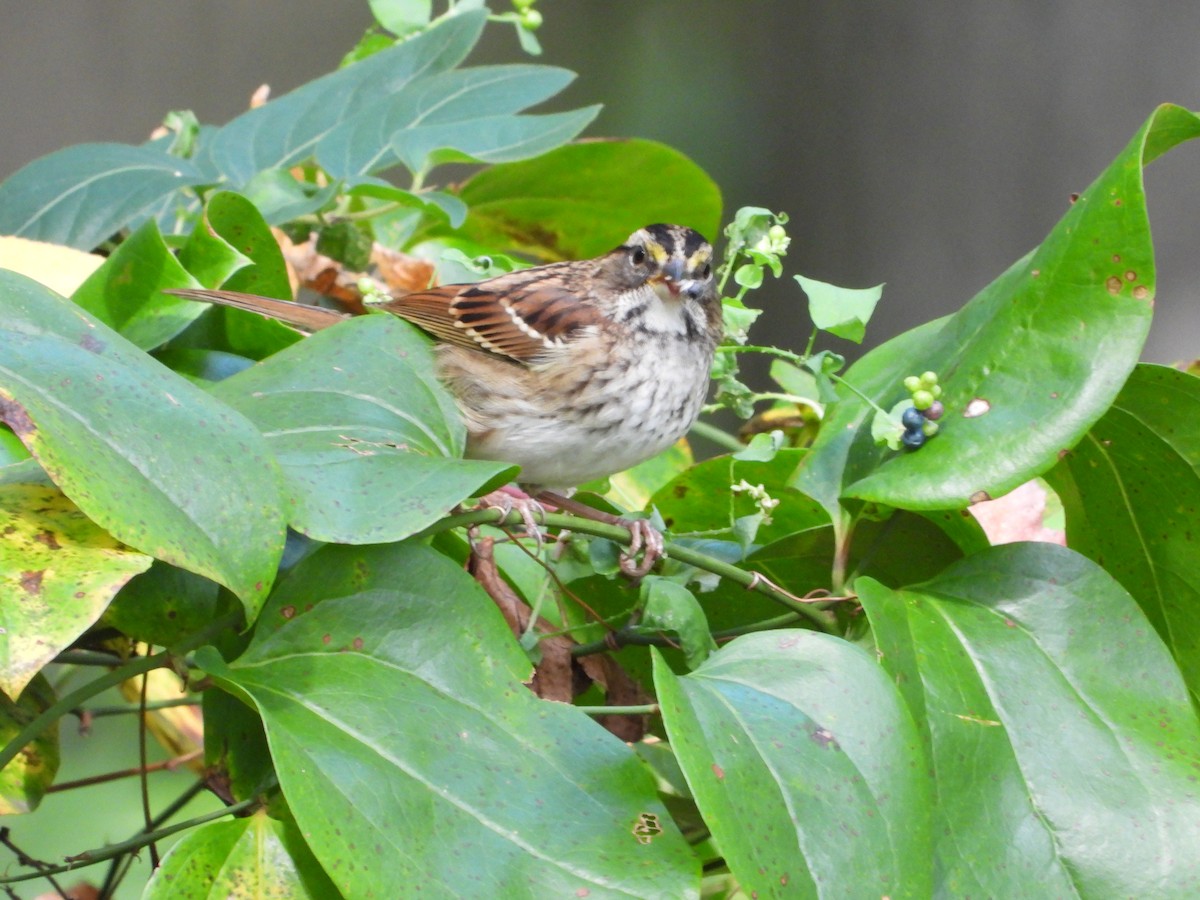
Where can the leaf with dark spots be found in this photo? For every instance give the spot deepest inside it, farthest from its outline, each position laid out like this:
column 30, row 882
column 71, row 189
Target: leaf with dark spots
column 457, row 735
column 119, row 433
column 1055, row 720
column 368, row 439
column 58, row 572
column 1131, row 491
column 26, row 778
column 754, row 731
column 1027, row 366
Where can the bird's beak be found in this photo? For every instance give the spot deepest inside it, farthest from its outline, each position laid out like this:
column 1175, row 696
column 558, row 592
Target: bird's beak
column 672, row 275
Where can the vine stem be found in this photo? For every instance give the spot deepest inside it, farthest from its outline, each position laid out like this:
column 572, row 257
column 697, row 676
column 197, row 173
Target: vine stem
column 752, row 581
column 799, row 359
column 646, row 709
column 624, row 638
column 134, row 667
column 91, row 857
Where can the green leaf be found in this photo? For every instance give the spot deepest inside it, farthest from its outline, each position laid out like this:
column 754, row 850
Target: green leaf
column 402, row 16
column 489, row 139
column 1130, row 490
column 23, row 781
column 280, row 198
column 146, row 455
column 805, row 765
column 368, row 439
column 235, row 745
column 472, row 111
column 58, row 572
column 633, row 488
column 166, row 604
column 287, row 130
column 346, row 243
column 793, row 379
column 737, row 319
column 125, row 293
column 82, row 195
column 233, row 248
column 438, row 203
column 838, row 310
column 1062, row 741
column 699, row 499
column 670, row 607
column 251, row 857
column 749, row 275
column 460, row 758
column 1027, row 366
column 581, row 200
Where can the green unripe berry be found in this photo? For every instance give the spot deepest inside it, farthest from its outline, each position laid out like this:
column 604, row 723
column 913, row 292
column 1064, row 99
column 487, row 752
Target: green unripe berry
column 531, row 19
column 922, row 399
column 936, row 390
column 912, row 383
column 930, row 428
column 522, row 5
column 928, row 379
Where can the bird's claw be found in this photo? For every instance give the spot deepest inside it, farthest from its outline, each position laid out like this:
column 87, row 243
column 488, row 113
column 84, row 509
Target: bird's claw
column 526, row 507
column 644, row 538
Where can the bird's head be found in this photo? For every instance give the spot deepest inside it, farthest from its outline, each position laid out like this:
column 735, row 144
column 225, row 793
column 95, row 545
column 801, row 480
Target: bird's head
column 674, row 260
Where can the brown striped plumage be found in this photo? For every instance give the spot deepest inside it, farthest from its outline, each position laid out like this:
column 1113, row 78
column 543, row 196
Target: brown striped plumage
column 573, row 370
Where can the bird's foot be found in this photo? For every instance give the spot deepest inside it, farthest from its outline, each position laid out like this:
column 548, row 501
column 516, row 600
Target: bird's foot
column 644, row 538
column 509, row 500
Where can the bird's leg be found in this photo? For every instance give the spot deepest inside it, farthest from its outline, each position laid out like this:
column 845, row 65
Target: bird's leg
column 643, row 537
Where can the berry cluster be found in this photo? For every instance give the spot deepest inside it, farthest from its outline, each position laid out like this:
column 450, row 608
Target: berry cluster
column 920, row 419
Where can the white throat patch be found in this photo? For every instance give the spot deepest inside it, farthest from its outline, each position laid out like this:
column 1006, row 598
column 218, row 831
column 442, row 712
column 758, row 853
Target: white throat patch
column 663, row 313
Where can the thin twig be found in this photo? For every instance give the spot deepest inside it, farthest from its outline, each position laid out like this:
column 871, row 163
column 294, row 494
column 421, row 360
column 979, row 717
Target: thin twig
column 112, row 851
column 143, row 761
column 168, row 764
column 75, row 700
column 24, row 859
column 97, row 712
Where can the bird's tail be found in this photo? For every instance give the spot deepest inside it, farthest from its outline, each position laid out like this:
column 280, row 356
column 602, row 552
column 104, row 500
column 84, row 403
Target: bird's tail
column 298, row 315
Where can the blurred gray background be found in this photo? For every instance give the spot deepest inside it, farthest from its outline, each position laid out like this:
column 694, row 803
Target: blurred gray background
column 927, row 145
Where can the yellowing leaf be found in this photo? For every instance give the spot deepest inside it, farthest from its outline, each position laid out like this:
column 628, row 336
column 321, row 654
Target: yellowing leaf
column 62, row 269
column 58, row 572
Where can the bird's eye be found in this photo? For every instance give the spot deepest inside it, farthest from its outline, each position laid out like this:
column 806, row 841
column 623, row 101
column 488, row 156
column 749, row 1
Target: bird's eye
column 638, row 256
column 706, row 271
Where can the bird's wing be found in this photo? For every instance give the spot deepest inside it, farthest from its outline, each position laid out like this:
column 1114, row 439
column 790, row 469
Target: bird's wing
column 522, row 316
column 298, row 315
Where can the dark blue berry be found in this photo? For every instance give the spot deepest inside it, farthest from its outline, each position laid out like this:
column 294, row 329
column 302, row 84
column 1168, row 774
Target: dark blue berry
column 913, row 439
column 911, row 419
column 935, row 410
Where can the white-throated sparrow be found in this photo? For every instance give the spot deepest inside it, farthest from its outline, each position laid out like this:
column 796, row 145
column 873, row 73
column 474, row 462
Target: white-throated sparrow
column 573, row 370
